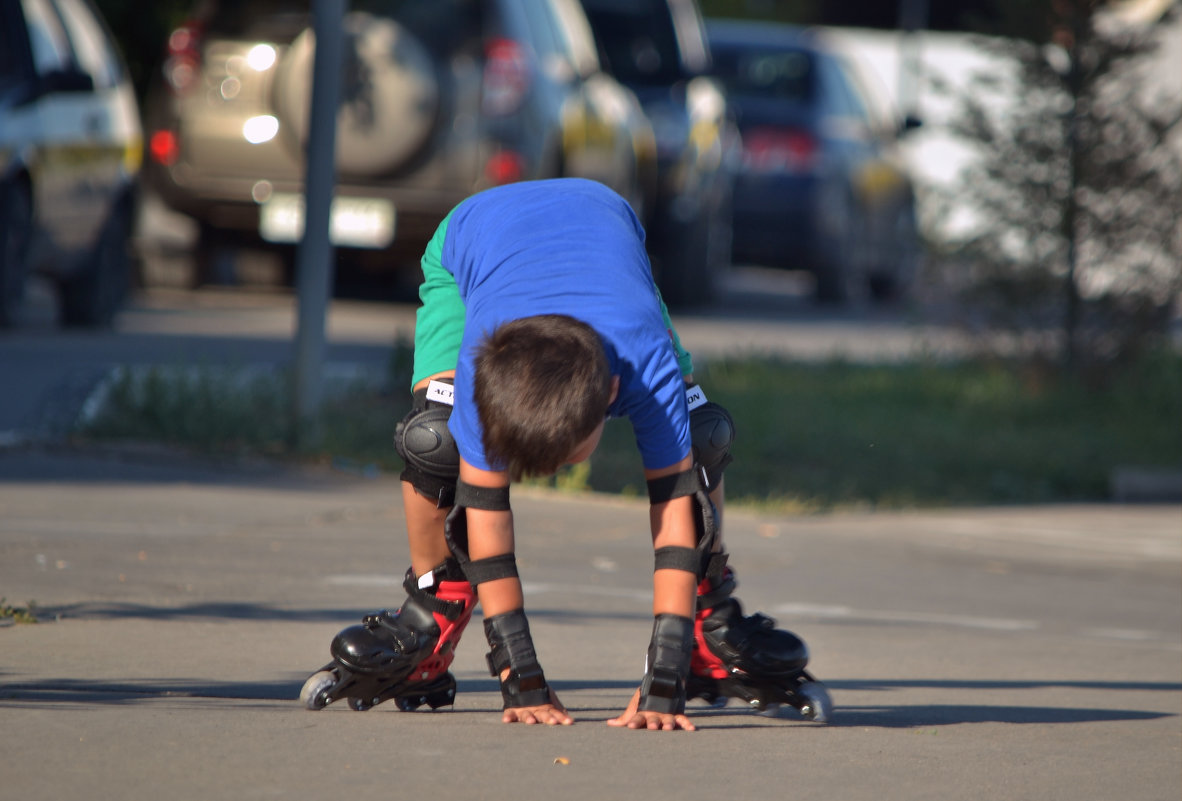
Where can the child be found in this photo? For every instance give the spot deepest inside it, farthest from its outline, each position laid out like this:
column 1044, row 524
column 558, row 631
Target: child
column 540, row 320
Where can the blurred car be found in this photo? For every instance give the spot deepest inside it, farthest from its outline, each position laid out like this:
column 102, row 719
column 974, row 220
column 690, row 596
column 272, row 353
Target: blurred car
column 822, row 186
column 439, row 100
column 70, row 152
column 658, row 49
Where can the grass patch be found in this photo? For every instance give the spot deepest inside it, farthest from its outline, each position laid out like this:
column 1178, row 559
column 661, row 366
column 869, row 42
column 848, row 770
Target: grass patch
column 17, row 614
column 812, row 437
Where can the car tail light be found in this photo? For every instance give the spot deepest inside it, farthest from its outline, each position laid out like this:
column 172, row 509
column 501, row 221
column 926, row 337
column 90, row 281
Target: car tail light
column 771, row 149
column 164, row 147
column 506, row 77
column 182, row 65
column 505, row 167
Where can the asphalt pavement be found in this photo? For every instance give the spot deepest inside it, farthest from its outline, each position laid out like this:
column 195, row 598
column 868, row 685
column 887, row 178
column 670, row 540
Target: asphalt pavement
column 1014, row 653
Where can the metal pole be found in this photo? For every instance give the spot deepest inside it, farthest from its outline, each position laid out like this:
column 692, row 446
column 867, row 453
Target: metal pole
column 314, row 258
column 913, row 17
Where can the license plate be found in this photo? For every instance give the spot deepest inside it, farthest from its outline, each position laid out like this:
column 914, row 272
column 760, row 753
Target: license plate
column 357, row 222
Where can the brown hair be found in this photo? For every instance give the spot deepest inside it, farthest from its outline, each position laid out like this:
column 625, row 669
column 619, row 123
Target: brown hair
column 542, row 386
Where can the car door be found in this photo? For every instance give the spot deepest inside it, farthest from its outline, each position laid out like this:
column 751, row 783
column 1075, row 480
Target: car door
column 593, row 113
column 60, row 125
column 110, row 146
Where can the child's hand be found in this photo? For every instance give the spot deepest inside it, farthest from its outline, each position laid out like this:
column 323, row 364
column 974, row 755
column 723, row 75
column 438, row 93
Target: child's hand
column 551, row 714
column 634, row 719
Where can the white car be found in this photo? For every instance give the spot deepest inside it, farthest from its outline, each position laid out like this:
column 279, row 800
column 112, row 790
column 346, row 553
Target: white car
column 71, row 146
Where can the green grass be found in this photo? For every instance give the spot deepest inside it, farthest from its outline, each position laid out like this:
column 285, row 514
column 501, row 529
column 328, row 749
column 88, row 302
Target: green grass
column 18, row 614
column 812, row 437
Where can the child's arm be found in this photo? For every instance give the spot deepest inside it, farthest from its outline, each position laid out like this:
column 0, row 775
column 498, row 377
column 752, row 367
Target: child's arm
column 674, row 596
column 490, row 534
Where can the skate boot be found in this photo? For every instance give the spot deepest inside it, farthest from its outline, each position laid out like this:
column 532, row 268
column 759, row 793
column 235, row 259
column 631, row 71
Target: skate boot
column 748, row 658
column 402, row 656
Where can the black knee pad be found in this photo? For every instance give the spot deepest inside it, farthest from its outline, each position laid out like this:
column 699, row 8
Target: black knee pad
column 712, row 431
column 425, row 443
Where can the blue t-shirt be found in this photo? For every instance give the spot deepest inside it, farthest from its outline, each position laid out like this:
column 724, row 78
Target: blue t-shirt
column 564, row 246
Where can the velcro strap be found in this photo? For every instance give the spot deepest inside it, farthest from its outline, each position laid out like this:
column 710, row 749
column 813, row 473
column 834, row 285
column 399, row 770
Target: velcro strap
column 417, row 589
column 491, row 499
column 512, row 647
column 677, row 557
column 722, row 582
column 667, row 668
column 677, row 485
column 491, row 568
column 441, row 490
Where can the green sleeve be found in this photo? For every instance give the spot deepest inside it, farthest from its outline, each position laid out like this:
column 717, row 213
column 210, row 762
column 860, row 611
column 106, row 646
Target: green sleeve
column 685, row 361
column 439, row 323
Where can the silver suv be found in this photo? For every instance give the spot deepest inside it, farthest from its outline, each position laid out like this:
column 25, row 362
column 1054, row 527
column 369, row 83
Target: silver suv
column 70, row 152
column 439, row 100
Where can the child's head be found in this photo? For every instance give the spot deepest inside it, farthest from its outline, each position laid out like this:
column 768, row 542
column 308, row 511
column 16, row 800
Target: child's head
column 542, row 388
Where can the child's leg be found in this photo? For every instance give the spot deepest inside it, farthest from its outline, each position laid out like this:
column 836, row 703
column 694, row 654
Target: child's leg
column 424, row 530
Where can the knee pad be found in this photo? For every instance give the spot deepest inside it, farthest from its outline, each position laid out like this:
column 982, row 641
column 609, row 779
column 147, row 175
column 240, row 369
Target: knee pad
column 712, row 431
column 425, row 443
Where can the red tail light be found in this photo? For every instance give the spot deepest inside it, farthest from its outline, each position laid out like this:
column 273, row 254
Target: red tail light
column 182, row 65
column 505, row 167
column 506, row 77
column 771, row 149
column 164, row 148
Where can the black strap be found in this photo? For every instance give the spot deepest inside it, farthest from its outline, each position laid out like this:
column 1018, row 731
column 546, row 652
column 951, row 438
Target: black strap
column 677, row 485
column 492, row 499
column 440, row 490
column 678, row 557
column 491, row 568
column 722, row 582
column 449, row 609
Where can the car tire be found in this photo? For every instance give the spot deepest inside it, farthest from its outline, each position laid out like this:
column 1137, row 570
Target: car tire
column 841, row 273
column 389, row 101
column 692, row 257
column 892, row 281
column 92, row 297
column 16, row 221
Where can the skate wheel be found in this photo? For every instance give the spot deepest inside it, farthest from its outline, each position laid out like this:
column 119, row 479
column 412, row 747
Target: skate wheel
column 359, row 704
column 817, row 705
column 314, row 693
column 771, row 711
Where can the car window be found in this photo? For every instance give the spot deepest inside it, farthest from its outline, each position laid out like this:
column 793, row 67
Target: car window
column 95, row 53
column 836, row 94
column 637, row 40
column 853, row 99
column 543, row 31
column 443, row 26
column 574, row 30
column 261, row 18
column 11, row 47
column 779, row 74
column 47, row 38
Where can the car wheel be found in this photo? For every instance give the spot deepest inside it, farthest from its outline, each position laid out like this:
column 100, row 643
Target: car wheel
column 692, row 257
column 16, row 221
column 841, row 270
column 389, row 98
column 91, row 298
column 892, row 281
column 215, row 258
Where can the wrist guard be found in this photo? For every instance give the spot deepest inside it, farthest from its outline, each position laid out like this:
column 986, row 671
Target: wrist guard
column 667, row 667
column 512, row 647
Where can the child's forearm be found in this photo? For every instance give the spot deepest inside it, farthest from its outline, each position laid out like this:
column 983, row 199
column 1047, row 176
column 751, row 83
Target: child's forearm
column 491, row 534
